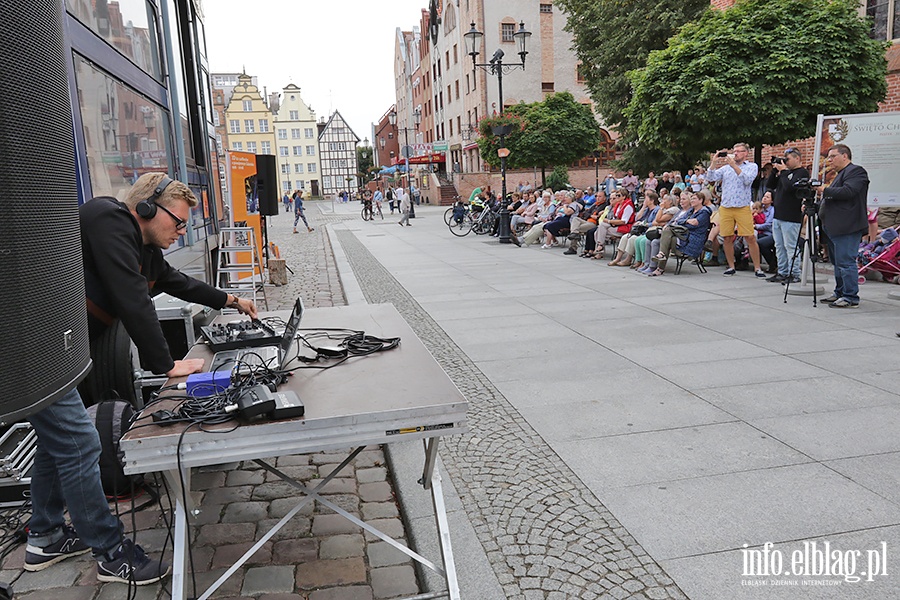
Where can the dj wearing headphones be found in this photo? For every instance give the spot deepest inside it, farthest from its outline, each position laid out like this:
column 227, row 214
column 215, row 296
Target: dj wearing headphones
column 122, row 244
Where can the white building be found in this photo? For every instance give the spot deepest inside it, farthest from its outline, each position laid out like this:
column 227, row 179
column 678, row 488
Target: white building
column 296, row 136
column 337, row 156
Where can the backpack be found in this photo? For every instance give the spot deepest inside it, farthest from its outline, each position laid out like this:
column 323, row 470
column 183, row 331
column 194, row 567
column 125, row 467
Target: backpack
column 112, row 418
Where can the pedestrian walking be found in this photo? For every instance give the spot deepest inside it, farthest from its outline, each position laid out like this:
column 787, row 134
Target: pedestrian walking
column 405, row 205
column 390, row 197
column 299, row 212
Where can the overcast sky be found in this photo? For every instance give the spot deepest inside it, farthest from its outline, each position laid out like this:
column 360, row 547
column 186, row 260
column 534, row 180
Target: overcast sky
column 339, row 52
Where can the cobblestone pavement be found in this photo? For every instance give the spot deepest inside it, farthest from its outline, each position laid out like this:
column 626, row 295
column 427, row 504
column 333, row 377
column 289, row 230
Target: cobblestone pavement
column 546, row 535
column 318, row 555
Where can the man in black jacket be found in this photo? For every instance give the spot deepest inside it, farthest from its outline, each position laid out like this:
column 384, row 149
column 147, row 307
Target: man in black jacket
column 788, row 213
column 843, row 217
column 124, row 263
column 122, row 247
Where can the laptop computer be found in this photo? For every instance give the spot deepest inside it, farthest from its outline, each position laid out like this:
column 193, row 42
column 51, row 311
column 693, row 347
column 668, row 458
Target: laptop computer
column 273, row 357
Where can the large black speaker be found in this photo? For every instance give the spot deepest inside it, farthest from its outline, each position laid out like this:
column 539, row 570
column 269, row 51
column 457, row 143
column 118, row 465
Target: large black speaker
column 43, row 321
column 267, row 184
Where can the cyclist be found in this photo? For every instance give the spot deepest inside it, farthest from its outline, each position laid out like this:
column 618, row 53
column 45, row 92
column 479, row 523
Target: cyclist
column 477, row 202
column 367, row 206
column 377, row 199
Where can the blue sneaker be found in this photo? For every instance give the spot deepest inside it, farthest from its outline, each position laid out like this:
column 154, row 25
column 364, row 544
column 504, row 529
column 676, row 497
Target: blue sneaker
column 130, row 564
column 38, row 559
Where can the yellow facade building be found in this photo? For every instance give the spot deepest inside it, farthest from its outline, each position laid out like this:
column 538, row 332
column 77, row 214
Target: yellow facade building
column 248, row 120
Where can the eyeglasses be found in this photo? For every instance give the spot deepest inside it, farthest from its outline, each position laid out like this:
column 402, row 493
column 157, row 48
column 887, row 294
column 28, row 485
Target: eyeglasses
column 180, row 224
column 791, row 151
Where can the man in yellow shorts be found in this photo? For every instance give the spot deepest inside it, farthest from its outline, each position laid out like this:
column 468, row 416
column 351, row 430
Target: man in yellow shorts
column 736, row 173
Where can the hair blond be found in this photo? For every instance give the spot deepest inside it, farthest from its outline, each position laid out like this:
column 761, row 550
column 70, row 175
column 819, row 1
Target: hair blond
column 145, row 185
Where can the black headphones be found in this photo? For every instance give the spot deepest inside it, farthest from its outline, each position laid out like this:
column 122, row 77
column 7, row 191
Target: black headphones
column 146, row 209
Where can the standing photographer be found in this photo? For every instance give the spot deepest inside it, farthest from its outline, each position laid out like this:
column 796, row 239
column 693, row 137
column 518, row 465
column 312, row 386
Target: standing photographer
column 788, row 212
column 843, row 217
column 736, row 174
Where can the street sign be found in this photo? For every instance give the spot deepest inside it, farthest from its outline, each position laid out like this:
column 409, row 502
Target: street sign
column 440, row 146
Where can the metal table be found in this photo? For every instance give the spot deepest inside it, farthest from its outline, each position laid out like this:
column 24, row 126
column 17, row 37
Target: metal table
column 397, row 395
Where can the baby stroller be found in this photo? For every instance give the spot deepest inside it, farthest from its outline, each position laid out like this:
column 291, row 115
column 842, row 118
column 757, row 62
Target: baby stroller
column 882, row 255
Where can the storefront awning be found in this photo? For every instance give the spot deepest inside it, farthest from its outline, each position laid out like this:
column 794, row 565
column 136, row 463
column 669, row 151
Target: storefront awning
column 434, row 157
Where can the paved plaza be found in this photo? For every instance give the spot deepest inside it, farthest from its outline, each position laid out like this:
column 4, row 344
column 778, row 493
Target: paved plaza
column 629, row 437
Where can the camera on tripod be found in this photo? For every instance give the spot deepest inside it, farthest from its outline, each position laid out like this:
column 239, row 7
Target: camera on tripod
column 805, row 189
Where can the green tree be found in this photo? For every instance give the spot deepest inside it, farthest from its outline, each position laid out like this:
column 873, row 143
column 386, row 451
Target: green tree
column 613, row 37
column 556, row 131
column 365, row 160
column 558, row 178
column 759, row 72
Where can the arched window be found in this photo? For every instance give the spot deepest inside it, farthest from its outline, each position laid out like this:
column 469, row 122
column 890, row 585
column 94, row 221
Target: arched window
column 449, row 18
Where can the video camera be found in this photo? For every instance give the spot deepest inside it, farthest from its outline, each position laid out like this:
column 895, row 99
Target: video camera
column 805, row 189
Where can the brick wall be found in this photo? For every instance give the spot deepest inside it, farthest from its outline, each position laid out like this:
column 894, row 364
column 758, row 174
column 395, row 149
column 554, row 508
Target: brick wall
column 892, row 102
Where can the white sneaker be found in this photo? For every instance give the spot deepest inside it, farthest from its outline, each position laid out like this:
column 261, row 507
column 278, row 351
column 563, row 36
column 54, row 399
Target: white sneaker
column 545, row 246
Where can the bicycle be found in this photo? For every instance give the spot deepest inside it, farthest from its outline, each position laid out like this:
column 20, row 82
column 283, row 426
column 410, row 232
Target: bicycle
column 485, row 221
column 448, row 214
column 462, row 226
column 369, row 211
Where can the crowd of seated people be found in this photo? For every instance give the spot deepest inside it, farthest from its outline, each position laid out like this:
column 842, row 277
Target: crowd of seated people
column 664, row 216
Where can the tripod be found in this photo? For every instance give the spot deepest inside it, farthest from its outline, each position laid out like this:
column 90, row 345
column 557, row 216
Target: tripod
column 810, row 209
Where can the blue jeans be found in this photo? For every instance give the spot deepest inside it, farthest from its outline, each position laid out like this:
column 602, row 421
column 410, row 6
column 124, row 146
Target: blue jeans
column 786, row 234
column 843, row 250
column 66, row 473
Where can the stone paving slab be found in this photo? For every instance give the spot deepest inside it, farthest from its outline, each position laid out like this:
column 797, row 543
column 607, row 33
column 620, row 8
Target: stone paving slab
column 670, row 454
column 838, row 434
column 704, row 580
column 783, row 503
column 771, row 399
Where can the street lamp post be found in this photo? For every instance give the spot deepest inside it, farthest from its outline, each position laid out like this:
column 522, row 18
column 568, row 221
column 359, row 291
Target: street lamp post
column 496, row 67
column 365, row 154
column 596, row 155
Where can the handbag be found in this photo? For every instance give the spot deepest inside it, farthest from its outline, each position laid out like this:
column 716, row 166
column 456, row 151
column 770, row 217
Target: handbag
column 639, row 228
column 680, row 231
column 654, row 233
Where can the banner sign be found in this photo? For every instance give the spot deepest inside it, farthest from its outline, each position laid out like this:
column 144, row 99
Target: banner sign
column 874, row 139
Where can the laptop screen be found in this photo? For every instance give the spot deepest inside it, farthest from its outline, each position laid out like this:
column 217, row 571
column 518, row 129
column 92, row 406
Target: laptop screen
column 290, row 331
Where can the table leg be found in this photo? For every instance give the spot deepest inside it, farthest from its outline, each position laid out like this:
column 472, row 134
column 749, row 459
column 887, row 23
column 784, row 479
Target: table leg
column 443, row 527
column 431, row 448
column 182, row 525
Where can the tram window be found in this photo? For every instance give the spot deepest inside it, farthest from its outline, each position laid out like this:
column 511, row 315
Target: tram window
column 125, row 134
column 131, row 29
